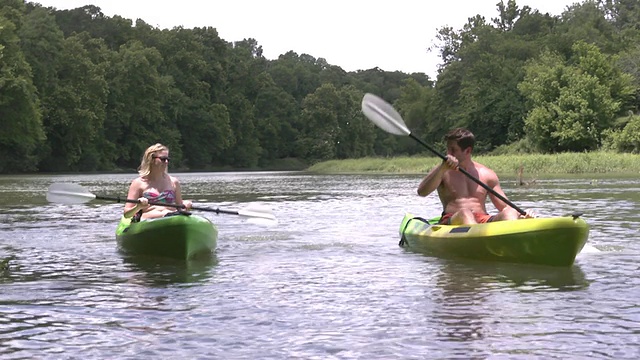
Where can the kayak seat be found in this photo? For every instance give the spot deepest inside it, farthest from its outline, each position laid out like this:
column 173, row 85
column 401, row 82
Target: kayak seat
column 136, row 218
column 178, row 212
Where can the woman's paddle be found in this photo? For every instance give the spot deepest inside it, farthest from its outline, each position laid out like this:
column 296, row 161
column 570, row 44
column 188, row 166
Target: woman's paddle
column 66, row 193
column 388, row 119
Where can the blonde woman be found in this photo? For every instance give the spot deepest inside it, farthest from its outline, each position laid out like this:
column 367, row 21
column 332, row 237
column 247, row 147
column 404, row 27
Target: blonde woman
column 154, row 185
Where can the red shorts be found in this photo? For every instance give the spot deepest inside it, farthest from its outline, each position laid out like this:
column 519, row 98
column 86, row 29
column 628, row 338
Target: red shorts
column 480, row 218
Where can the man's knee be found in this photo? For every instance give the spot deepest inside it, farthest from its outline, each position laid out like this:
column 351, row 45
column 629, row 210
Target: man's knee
column 509, row 213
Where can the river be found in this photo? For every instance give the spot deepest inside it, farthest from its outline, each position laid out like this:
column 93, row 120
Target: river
column 328, row 281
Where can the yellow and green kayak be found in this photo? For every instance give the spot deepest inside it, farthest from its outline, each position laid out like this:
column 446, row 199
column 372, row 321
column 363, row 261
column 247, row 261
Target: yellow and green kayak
column 179, row 236
column 552, row 241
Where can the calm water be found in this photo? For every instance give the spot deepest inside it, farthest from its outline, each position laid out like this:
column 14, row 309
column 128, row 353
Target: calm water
column 327, row 282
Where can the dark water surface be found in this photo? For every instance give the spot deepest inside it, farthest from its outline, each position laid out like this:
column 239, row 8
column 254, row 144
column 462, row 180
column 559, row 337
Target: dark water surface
column 327, row 282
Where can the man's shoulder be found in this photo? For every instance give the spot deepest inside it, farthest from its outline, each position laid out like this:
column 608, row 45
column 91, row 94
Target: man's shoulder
column 480, row 165
column 483, row 167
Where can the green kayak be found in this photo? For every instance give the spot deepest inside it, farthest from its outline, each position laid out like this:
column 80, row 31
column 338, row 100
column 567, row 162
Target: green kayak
column 546, row 241
column 178, row 236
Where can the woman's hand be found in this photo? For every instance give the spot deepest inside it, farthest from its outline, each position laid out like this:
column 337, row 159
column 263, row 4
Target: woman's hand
column 187, row 204
column 529, row 214
column 143, row 203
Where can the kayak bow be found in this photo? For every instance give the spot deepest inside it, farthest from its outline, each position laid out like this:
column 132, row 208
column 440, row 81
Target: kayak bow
column 178, row 236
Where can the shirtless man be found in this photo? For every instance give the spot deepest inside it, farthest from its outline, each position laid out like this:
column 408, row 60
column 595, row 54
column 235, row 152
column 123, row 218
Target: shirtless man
column 462, row 199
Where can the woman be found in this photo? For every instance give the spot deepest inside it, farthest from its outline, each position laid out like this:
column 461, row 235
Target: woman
column 154, row 185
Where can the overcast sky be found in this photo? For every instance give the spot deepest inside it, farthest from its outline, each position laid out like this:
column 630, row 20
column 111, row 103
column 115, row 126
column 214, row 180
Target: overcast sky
column 353, row 34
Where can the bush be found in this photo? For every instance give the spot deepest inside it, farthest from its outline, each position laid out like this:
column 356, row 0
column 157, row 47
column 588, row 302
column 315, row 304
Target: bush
column 625, row 140
column 523, row 146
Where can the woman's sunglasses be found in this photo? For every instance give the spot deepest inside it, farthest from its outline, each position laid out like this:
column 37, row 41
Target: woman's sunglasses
column 162, row 158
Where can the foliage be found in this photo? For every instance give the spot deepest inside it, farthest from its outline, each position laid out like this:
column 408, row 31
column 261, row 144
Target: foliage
column 625, row 140
column 22, row 130
column 82, row 91
column 573, row 101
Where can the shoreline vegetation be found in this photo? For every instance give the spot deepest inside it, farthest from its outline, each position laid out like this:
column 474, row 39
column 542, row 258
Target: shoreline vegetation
column 531, row 166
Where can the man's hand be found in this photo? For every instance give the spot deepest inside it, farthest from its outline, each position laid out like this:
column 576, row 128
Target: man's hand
column 451, row 162
column 529, row 214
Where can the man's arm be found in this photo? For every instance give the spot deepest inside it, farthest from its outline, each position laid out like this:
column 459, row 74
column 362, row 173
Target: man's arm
column 434, row 178
column 499, row 204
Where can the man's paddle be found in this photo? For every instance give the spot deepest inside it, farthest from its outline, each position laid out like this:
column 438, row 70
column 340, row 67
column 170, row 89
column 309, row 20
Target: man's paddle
column 388, row 119
column 66, row 193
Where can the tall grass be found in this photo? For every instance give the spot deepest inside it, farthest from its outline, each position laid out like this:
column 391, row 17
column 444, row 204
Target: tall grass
column 532, row 164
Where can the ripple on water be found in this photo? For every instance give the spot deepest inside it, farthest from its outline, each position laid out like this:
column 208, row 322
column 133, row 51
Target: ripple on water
column 328, row 281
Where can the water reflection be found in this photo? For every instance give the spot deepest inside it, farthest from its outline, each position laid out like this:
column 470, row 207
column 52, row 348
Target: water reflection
column 466, row 291
column 469, row 275
column 160, row 272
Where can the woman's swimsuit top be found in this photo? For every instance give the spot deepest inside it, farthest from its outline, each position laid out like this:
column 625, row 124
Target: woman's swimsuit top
column 167, row 196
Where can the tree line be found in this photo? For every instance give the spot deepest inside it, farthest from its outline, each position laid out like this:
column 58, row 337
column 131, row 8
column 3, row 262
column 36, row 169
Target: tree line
column 81, row 91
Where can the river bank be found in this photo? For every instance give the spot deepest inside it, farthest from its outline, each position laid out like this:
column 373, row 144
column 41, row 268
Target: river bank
column 533, row 165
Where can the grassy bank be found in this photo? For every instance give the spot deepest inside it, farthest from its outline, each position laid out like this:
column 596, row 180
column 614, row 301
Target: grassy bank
column 532, row 164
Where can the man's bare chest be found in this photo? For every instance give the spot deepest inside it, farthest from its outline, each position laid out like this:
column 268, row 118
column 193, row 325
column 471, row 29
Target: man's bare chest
column 456, row 186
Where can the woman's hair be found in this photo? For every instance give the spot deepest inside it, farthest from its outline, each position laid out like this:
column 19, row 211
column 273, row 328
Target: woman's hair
column 145, row 166
column 463, row 137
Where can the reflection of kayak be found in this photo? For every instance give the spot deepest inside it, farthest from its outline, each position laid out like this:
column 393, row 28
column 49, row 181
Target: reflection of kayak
column 475, row 275
column 161, row 271
column 178, row 236
column 547, row 241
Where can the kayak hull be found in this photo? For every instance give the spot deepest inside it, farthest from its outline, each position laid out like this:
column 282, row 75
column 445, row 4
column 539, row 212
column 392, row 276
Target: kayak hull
column 179, row 236
column 544, row 241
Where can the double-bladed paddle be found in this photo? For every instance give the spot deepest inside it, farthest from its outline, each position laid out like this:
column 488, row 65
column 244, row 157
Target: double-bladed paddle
column 67, row 193
column 388, row 119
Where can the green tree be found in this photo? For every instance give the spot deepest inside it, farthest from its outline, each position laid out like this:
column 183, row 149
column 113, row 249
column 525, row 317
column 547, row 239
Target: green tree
column 206, row 136
column 572, row 102
column 245, row 150
column 136, row 102
column 586, row 22
column 276, row 120
column 22, row 128
column 115, row 31
column 75, row 110
column 42, row 41
column 626, row 139
column 629, row 62
column 191, row 60
column 334, row 125
column 478, row 88
column 318, row 140
column 416, row 105
column 298, row 75
column 356, row 134
column 244, row 64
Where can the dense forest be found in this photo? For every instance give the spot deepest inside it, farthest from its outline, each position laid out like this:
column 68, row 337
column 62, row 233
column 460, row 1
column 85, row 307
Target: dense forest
column 81, row 91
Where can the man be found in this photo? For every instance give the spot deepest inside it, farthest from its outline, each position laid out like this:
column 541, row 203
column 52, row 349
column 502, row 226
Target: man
column 464, row 200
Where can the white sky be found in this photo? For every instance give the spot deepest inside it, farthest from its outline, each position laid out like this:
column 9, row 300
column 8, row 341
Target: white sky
column 353, row 34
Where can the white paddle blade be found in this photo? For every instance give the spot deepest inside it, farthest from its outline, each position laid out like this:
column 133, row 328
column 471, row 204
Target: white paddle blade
column 257, row 211
column 383, row 115
column 68, row 194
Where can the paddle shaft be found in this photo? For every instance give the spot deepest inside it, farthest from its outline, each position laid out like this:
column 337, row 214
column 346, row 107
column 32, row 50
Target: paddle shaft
column 119, row 199
column 485, row 186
